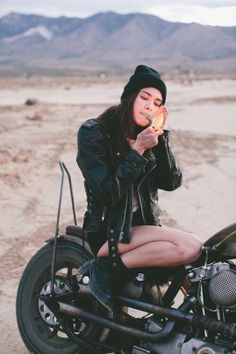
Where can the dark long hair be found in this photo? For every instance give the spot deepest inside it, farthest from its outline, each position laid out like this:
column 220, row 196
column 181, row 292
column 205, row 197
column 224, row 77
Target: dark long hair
column 118, row 120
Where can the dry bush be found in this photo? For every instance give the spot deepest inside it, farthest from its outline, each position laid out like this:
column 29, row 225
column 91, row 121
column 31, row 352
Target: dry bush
column 31, row 101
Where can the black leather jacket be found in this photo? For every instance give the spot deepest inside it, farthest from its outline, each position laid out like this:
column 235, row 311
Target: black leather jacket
column 110, row 180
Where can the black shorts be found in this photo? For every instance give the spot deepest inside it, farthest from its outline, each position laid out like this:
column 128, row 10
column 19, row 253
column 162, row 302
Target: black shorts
column 96, row 240
column 137, row 219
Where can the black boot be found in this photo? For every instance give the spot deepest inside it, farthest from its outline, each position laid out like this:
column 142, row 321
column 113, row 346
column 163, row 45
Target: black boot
column 99, row 271
column 104, row 280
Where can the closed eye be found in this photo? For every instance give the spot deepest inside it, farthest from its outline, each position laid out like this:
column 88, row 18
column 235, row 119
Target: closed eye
column 144, row 98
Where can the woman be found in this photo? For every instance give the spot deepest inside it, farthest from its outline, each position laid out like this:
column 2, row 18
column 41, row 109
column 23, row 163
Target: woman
column 124, row 161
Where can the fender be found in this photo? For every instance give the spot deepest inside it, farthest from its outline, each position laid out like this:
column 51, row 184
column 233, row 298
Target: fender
column 74, row 234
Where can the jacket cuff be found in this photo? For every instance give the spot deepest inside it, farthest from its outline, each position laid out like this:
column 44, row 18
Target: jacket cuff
column 137, row 158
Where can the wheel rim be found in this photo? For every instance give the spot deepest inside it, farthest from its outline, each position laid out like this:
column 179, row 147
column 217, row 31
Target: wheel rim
column 60, row 288
column 47, row 322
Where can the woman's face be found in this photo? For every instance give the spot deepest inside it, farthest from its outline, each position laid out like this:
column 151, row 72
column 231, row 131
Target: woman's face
column 147, row 103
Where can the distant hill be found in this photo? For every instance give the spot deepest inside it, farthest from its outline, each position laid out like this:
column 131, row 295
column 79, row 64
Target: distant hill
column 113, row 43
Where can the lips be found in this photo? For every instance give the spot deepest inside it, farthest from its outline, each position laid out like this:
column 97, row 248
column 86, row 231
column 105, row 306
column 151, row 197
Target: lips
column 142, row 121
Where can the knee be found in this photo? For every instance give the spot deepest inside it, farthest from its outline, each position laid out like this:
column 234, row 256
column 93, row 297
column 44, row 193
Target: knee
column 190, row 250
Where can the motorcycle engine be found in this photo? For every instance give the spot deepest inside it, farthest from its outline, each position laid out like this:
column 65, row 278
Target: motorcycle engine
column 222, row 288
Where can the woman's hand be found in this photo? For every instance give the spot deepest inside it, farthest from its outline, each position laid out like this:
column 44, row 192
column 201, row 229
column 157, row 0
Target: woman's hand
column 147, row 139
column 158, row 121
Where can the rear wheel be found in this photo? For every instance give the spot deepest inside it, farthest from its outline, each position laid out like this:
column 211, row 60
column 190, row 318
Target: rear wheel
column 40, row 329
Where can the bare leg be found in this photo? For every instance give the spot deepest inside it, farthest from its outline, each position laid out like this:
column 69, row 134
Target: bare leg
column 157, row 246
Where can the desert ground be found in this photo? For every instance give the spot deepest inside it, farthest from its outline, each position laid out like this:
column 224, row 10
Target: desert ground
column 34, row 138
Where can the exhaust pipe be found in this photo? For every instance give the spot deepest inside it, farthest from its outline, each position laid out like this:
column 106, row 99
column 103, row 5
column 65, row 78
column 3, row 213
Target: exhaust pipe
column 105, row 322
column 213, row 326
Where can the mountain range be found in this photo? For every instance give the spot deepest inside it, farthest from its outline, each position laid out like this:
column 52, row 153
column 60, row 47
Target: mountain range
column 113, row 43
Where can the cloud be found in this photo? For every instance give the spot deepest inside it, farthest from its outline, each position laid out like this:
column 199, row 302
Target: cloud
column 224, row 16
column 210, row 3
column 214, row 12
column 70, row 7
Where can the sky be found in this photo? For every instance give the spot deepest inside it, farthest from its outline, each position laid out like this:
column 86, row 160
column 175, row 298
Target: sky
column 207, row 12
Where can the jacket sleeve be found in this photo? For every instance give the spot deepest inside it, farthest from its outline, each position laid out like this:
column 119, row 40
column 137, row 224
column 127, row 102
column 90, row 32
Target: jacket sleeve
column 93, row 155
column 169, row 175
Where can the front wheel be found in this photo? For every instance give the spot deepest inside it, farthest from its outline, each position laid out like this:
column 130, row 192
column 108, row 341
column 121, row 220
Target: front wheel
column 40, row 330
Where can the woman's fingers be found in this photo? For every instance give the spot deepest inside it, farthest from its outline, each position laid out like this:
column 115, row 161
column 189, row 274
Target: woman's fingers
column 148, row 138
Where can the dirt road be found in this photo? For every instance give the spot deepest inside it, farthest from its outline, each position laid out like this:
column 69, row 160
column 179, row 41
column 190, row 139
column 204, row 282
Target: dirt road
column 34, row 138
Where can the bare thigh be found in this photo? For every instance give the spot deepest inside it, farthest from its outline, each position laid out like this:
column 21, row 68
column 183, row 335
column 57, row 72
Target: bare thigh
column 142, row 235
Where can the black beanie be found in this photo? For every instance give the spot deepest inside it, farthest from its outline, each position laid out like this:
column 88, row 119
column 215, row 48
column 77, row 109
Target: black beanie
column 144, row 77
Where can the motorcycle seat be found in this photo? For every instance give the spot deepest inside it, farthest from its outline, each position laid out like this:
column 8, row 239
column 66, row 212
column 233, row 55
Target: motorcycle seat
column 75, row 230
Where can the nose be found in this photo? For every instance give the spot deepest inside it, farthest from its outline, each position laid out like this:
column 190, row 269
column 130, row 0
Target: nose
column 148, row 106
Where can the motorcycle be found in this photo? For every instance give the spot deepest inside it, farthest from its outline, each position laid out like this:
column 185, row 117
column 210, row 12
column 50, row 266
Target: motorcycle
column 56, row 313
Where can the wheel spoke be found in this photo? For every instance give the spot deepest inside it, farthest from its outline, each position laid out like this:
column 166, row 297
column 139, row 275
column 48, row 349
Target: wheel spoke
column 53, row 333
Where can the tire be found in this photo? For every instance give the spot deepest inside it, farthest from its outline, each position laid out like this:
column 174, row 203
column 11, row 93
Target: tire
column 39, row 328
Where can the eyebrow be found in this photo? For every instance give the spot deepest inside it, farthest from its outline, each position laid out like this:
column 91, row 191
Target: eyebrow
column 158, row 99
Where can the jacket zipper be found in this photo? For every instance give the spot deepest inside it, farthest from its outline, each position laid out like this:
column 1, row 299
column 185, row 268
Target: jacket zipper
column 118, row 186
column 139, row 197
column 168, row 152
column 123, row 222
column 104, row 213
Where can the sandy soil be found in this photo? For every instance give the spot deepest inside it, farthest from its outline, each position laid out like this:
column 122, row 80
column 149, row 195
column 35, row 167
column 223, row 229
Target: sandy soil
column 34, row 138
